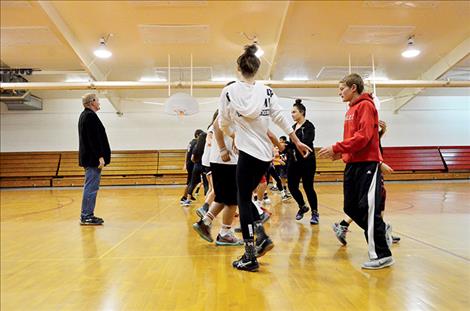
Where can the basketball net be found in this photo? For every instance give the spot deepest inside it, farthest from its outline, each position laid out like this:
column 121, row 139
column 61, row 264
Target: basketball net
column 180, row 114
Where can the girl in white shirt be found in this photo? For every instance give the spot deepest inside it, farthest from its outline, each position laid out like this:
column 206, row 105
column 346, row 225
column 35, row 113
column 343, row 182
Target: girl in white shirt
column 246, row 110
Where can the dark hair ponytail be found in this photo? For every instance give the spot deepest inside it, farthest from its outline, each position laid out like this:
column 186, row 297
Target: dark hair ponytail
column 248, row 62
column 298, row 104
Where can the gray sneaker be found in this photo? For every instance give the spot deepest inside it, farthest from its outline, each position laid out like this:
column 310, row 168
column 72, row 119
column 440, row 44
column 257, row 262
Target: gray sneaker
column 228, row 240
column 388, row 234
column 378, row 263
column 340, row 232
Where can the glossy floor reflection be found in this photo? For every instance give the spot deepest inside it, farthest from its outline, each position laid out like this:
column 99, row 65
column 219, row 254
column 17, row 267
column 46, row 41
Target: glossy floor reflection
column 147, row 257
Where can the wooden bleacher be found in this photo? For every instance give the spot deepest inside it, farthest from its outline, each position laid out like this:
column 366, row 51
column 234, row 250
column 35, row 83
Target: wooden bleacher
column 126, row 168
column 163, row 167
column 30, row 169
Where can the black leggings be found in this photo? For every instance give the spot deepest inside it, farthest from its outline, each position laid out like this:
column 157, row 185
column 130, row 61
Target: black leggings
column 305, row 170
column 272, row 172
column 249, row 173
column 196, row 178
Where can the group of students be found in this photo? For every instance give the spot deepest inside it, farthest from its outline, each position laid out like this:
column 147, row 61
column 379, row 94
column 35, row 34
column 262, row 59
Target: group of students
column 236, row 154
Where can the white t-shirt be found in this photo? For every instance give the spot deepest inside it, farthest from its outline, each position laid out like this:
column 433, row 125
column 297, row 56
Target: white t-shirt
column 249, row 108
column 215, row 151
column 207, row 148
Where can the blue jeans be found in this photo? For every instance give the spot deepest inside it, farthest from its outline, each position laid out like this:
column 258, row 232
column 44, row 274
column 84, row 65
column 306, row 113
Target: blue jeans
column 90, row 190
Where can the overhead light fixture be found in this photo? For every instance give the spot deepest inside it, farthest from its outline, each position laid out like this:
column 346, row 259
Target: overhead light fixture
column 77, row 79
column 102, row 51
column 411, row 51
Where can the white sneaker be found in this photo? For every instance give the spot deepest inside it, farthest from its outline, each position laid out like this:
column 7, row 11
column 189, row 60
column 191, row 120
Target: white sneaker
column 380, row 263
column 284, row 196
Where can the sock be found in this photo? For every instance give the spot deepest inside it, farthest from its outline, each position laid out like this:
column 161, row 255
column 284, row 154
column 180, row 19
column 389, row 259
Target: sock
column 344, row 223
column 250, row 249
column 225, row 230
column 208, row 218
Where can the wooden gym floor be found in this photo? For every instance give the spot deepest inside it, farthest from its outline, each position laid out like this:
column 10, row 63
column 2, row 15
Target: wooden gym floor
column 147, row 257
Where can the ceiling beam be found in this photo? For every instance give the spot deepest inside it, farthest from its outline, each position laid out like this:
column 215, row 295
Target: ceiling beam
column 278, row 40
column 87, row 60
column 435, row 72
column 280, row 84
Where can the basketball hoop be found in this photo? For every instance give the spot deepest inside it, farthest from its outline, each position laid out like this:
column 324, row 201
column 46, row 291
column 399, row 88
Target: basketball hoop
column 180, row 114
column 181, row 104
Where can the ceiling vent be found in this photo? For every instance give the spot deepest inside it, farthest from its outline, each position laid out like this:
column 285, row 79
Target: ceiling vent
column 377, row 34
column 174, row 34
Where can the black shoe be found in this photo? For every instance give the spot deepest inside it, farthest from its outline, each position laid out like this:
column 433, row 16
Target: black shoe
column 193, row 198
column 246, row 264
column 301, row 212
column 91, row 221
column 263, row 246
column 395, row 239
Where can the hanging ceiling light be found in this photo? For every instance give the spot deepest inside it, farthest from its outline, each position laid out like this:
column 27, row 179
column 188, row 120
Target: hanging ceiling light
column 411, row 51
column 102, row 51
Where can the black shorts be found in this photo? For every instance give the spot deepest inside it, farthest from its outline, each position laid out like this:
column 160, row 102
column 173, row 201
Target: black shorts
column 224, row 178
column 207, row 170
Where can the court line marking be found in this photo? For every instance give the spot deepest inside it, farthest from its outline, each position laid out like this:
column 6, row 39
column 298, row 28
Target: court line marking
column 414, row 239
column 133, row 232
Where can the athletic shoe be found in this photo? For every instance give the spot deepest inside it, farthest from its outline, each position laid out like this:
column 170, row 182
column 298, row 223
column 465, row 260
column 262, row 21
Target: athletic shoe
column 182, row 200
column 91, row 221
column 274, row 188
column 315, row 218
column 186, row 202
column 228, row 240
column 263, row 246
column 388, row 234
column 264, row 217
column 378, row 263
column 203, row 230
column 340, row 232
column 193, row 198
column 395, row 239
column 201, row 212
column 246, row 264
column 301, row 212
column 284, row 196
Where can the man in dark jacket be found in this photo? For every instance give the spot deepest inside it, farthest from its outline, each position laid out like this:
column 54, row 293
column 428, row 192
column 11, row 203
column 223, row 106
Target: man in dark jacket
column 94, row 153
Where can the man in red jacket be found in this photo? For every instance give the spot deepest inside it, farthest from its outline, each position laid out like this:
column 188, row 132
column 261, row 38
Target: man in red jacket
column 360, row 151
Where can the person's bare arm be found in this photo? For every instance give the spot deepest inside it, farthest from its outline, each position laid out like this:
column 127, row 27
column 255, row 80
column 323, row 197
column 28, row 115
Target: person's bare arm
column 219, row 137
